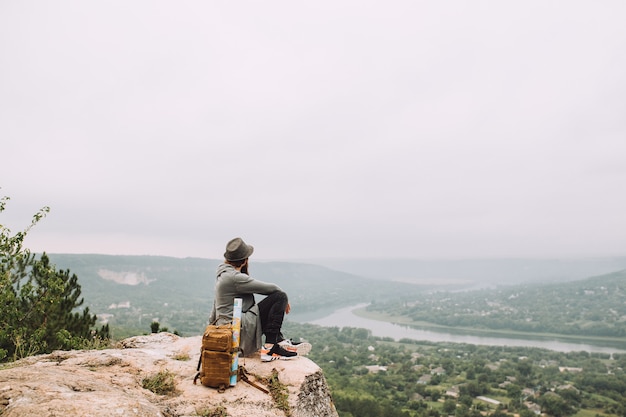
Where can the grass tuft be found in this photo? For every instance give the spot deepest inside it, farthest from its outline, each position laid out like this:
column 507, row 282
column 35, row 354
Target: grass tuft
column 181, row 356
column 279, row 393
column 161, row 383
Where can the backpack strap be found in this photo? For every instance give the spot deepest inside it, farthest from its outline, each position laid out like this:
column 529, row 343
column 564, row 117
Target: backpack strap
column 243, row 375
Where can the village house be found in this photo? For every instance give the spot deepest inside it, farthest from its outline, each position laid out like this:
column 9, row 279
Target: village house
column 504, row 384
column 375, row 368
column 438, row 371
column 488, row 400
column 535, row 408
column 453, row 392
column 567, row 387
column 569, row 369
column 528, row 392
column 547, row 363
column 424, row 379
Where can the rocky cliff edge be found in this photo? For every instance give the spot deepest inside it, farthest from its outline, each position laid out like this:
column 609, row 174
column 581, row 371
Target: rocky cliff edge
column 110, row 383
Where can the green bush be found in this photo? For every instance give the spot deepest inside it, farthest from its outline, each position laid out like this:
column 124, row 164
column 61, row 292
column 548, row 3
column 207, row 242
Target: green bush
column 41, row 305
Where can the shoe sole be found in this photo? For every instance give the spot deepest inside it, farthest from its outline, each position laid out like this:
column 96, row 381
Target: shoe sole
column 270, row 358
column 302, row 349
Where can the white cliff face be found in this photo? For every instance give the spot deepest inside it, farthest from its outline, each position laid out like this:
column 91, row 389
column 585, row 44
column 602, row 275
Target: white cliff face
column 109, row 383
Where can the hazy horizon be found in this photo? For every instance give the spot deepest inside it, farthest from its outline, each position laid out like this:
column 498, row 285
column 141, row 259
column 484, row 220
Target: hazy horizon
column 463, row 273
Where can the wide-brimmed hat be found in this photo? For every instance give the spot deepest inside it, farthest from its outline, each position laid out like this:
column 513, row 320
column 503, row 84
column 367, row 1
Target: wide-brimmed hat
column 237, row 250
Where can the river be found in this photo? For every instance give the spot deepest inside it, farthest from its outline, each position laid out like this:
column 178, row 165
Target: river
column 345, row 317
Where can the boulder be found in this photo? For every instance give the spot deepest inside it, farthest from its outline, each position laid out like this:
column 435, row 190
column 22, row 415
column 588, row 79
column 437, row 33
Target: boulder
column 110, row 382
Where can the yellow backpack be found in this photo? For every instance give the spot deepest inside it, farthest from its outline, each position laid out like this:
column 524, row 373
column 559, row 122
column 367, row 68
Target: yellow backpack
column 216, row 354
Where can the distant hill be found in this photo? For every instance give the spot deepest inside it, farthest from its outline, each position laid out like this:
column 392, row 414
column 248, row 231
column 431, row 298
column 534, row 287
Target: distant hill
column 466, row 273
column 130, row 292
column 595, row 306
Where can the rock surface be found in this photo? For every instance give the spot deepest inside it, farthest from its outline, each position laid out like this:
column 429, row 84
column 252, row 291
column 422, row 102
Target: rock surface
column 109, row 383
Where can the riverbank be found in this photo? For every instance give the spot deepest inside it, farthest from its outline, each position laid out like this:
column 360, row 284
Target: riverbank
column 613, row 342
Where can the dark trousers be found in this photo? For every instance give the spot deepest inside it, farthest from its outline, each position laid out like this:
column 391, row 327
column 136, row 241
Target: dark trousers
column 272, row 312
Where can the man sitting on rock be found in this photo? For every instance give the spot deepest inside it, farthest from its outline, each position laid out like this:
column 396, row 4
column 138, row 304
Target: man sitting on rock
column 266, row 317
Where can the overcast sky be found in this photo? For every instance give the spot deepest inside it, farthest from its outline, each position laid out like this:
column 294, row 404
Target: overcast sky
column 371, row 129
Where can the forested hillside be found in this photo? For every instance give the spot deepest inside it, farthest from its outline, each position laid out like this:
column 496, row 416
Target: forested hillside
column 592, row 307
column 129, row 292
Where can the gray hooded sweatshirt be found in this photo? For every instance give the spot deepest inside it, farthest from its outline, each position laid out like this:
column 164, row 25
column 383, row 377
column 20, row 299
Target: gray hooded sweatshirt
column 231, row 284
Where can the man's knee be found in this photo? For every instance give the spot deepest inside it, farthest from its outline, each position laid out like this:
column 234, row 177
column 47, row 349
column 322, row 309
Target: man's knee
column 278, row 298
column 281, row 296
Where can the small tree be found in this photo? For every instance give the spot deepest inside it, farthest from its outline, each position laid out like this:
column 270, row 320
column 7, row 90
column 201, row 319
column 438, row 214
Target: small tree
column 154, row 327
column 554, row 405
column 449, row 406
column 39, row 302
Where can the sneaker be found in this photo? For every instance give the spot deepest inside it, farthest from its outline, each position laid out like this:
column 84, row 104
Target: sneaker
column 268, row 358
column 276, row 352
column 301, row 348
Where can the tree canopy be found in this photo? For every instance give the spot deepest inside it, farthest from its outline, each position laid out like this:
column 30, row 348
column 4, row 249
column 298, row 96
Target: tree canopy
column 41, row 305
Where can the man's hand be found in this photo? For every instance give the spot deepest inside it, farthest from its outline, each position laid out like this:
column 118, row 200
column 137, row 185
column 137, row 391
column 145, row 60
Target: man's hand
column 288, row 308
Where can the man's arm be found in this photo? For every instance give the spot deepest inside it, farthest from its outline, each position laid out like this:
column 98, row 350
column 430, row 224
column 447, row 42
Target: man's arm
column 246, row 284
